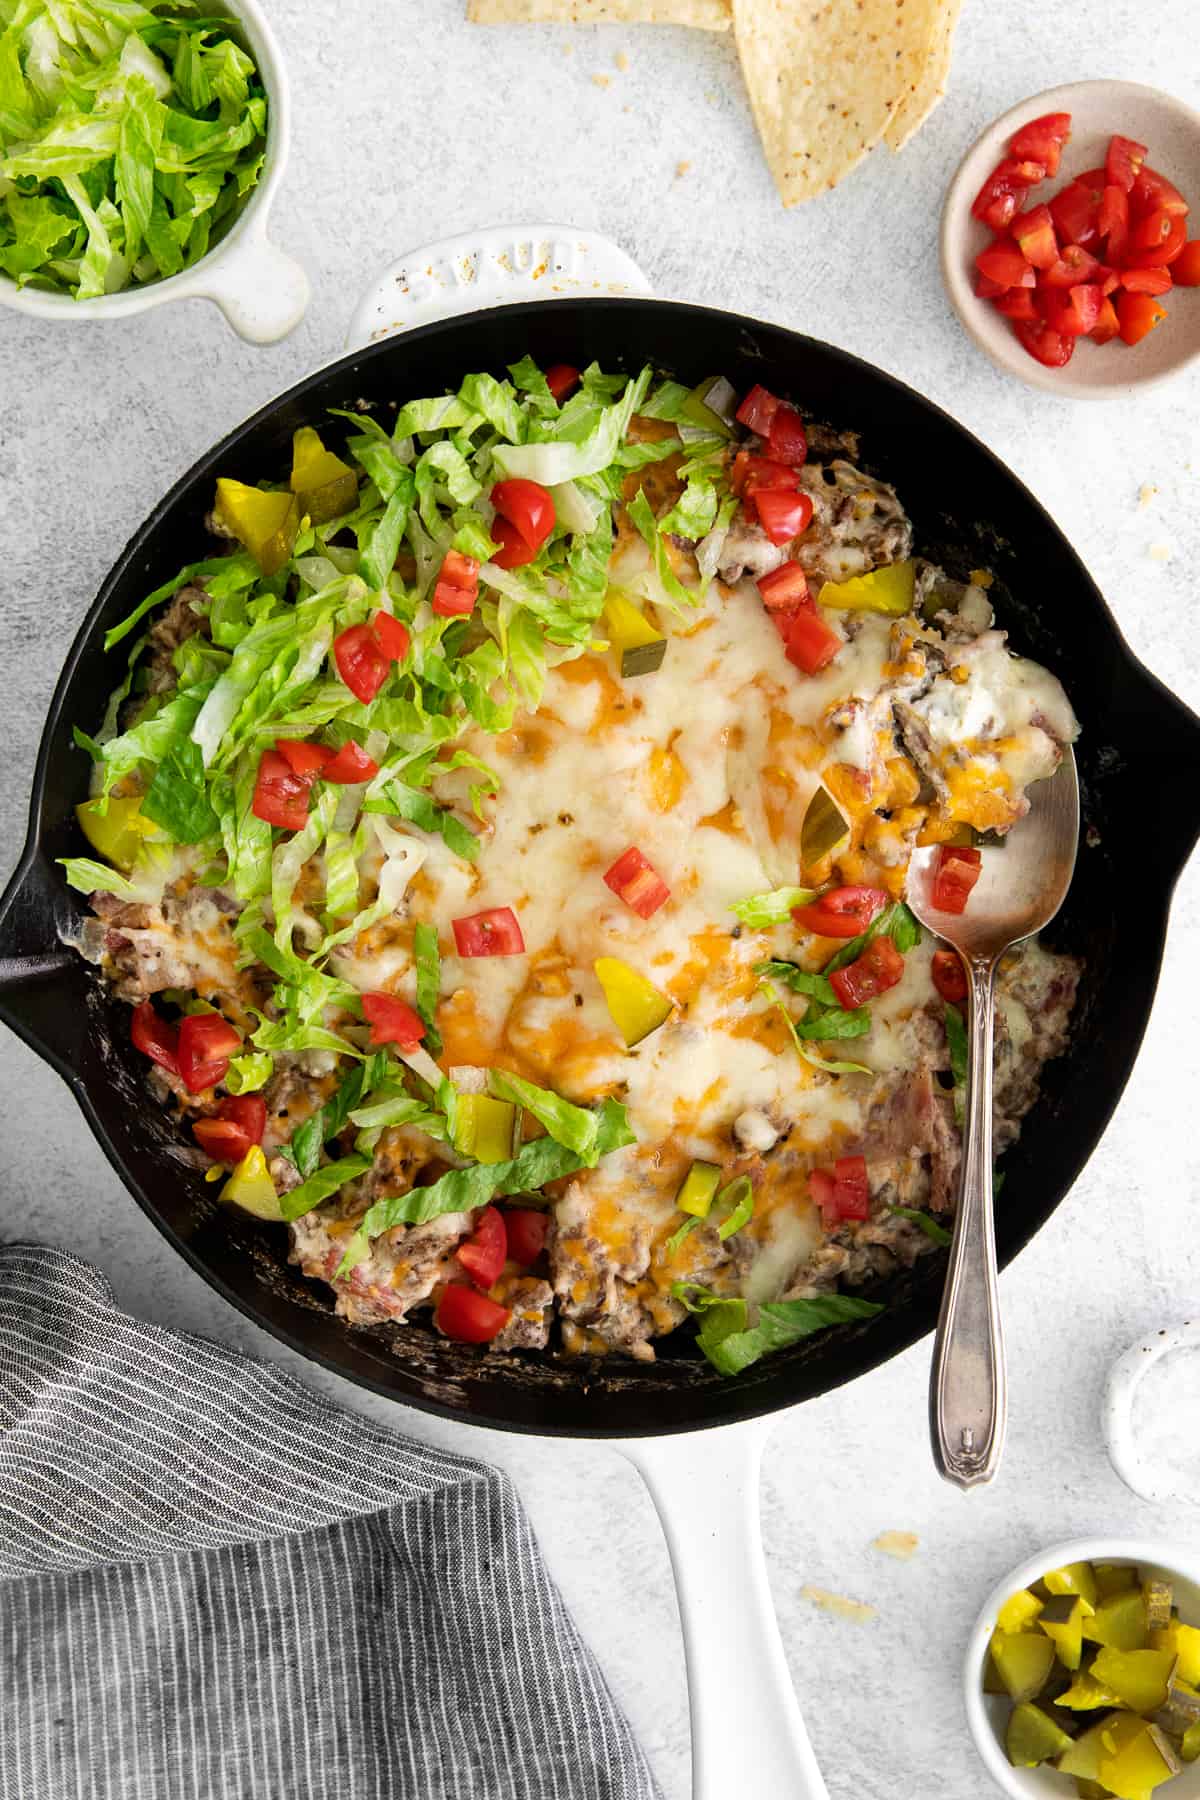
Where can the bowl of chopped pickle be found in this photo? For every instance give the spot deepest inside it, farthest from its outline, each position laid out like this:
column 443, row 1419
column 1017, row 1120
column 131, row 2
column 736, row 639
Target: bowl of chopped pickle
column 1083, row 1673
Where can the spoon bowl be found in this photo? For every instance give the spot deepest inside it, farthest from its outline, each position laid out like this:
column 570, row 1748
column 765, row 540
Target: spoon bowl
column 1022, row 883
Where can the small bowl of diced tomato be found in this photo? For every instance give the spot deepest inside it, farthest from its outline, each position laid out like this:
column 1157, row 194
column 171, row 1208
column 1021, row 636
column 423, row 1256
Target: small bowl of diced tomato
column 1070, row 238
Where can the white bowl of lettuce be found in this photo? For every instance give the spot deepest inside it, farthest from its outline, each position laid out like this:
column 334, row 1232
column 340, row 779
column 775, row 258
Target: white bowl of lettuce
column 141, row 145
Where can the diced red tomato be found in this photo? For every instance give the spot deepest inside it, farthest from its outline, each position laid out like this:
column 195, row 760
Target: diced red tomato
column 1112, row 222
column 812, row 642
column 783, row 516
column 1042, row 140
column 1146, row 281
column 1075, row 211
column 955, row 873
column 155, row 1037
column 460, row 571
column 351, row 765
column 784, row 588
column 1034, row 232
column 822, row 1188
column 1108, row 280
column 560, row 379
column 483, row 1255
column 1152, row 192
column 1185, row 271
column 1107, row 326
column 843, row 912
column 457, row 587
column 997, row 201
column 637, row 883
column 240, row 1122
column 525, row 1229
column 879, row 968
column 206, row 1043
column 1074, row 311
column 987, row 289
column 949, row 976
column 1016, row 304
column 527, row 505
column 1074, row 265
column 1138, row 315
column 303, row 759
column 513, row 553
column 392, row 1021
column 280, row 796
column 1156, row 240
column 391, row 635
column 784, row 617
column 494, row 932
column 468, row 1316
column 851, row 1189
column 1003, row 262
column 361, row 662
column 788, row 440
column 751, row 474
column 1123, row 163
column 758, row 410
column 1049, row 347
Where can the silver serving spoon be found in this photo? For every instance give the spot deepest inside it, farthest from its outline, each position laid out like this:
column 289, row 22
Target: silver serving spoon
column 1022, row 885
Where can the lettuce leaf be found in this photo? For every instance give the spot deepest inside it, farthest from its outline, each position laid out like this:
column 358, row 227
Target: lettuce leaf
column 731, row 1343
column 177, row 799
column 775, row 908
column 577, row 1127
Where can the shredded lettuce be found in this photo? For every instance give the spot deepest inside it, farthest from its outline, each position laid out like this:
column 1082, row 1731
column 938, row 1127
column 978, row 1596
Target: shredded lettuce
column 894, row 921
column 427, row 958
column 775, row 908
column 248, row 1073
column 929, row 1225
column 806, row 1055
column 732, row 1340
column 321, row 1185
column 577, row 1127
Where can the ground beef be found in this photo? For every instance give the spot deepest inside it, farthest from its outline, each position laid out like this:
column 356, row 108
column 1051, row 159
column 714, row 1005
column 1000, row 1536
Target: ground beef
column 402, row 1270
column 186, row 615
column 531, row 1302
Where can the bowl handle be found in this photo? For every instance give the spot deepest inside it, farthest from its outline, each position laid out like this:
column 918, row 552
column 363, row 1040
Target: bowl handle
column 262, row 291
column 497, row 267
column 1149, row 1477
column 747, row 1733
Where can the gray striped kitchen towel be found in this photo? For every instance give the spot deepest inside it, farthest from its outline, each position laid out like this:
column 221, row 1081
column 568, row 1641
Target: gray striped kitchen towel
column 216, row 1586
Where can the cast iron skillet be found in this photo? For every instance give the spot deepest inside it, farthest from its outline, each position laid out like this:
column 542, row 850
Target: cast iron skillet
column 967, row 509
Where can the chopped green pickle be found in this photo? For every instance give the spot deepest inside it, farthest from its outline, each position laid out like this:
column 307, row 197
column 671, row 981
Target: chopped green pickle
column 1189, row 1749
column 325, row 487
column 1085, row 1755
column 1119, row 1623
column 485, row 1128
column 823, row 829
column 699, row 1188
column 992, row 1683
column 1086, row 1694
column 1062, row 1620
column 1114, row 1578
column 264, row 523
column 643, row 659
column 117, row 830
column 1137, row 1677
column 1139, row 1766
column 1157, row 1595
column 1019, row 1611
column 1073, row 1578
column 636, row 1005
column 250, row 1187
column 889, row 591
column 1023, row 1662
column 1090, row 1790
column 1032, row 1737
column 697, row 411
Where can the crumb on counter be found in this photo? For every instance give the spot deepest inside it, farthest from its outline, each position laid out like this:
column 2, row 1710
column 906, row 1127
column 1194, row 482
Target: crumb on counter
column 1159, row 552
column 681, row 168
column 602, row 80
column 1146, row 493
column 900, row 1544
column 621, row 60
column 854, row 1611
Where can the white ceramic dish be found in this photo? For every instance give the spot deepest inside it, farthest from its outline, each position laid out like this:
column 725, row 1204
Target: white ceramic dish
column 1171, row 130
column 987, row 1714
column 262, row 292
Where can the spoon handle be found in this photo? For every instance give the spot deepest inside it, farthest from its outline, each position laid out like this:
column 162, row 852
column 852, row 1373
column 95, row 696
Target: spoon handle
column 968, row 1389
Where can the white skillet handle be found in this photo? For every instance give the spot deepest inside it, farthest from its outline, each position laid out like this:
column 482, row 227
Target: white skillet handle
column 495, row 267
column 747, row 1734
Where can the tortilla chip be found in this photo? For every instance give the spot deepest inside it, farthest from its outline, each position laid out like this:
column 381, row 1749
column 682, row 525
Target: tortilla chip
column 824, row 78
column 930, row 83
column 708, row 15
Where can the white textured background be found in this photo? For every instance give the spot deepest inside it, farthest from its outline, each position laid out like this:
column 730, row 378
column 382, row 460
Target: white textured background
column 411, row 125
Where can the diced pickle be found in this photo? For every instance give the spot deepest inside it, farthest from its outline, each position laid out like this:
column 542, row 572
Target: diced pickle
column 636, row 1005
column 1141, row 1765
column 992, row 1683
column 1184, row 1642
column 1119, row 1622
column 1137, row 1677
column 1019, row 1611
column 1086, row 1694
column 1181, row 1709
column 625, row 627
column 250, row 1187
column 264, row 523
column 1189, row 1749
column 1062, row 1620
column 1157, row 1595
column 1084, row 1757
column 118, row 832
column 323, row 484
column 1023, row 1661
column 1072, row 1578
column 823, row 829
column 700, row 1185
column 643, row 659
column 1090, row 1790
column 697, row 411
column 1114, row 1578
column 888, row 591
column 1032, row 1737
column 486, row 1128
